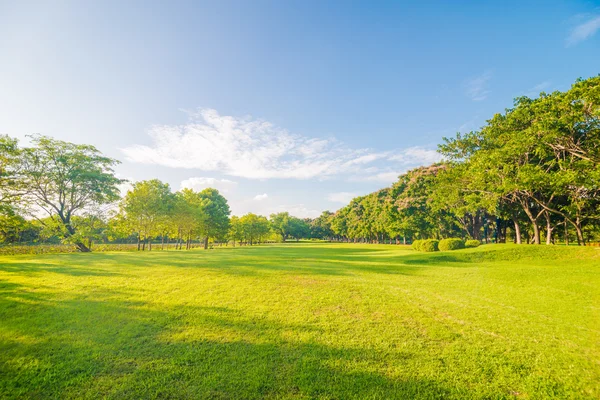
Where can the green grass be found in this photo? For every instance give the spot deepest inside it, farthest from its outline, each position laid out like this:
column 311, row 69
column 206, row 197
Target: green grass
column 302, row 321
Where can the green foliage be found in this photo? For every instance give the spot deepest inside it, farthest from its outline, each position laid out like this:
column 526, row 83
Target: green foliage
column 321, row 227
column 280, row 223
column 145, row 208
column 532, row 170
column 216, row 212
column 11, row 188
column 430, row 245
column 253, row 228
column 288, row 226
column 451, row 244
column 63, row 179
column 472, row 243
column 416, row 244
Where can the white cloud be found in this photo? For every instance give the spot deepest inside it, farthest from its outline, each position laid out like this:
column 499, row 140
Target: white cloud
column 246, row 148
column 341, row 197
column 257, row 149
column 584, row 30
column 260, row 197
column 477, row 88
column 200, row 183
column 416, row 156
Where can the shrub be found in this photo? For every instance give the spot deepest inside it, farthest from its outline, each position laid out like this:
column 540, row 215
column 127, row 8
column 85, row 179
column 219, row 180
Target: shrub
column 416, row 244
column 430, row 245
column 451, row 244
column 472, row 243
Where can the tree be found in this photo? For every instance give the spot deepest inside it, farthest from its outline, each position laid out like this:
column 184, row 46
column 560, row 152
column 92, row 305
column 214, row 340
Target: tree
column 298, row 228
column 187, row 216
column 236, row 229
column 254, row 227
column 10, row 185
column 145, row 208
column 281, row 224
column 216, row 211
column 63, row 179
column 320, row 227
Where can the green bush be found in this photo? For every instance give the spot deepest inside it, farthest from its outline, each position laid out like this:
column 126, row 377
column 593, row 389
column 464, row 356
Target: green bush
column 472, row 243
column 451, row 244
column 430, row 245
column 416, row 244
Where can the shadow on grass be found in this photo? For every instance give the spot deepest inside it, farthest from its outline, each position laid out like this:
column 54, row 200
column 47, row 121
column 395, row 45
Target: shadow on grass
column 82, row 348
column 68, row 264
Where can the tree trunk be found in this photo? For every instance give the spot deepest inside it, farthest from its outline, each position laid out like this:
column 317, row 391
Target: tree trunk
column 536, row 232
column 517, row 232
column 82, row 247
column 580, row 239
column 206, row 243
column 70, row 232
column 162, row 242
column 566, row 233
column 549, row 228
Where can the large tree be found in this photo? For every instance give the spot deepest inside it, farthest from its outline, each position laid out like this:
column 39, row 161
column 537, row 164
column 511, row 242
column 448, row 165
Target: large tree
column 63, row 179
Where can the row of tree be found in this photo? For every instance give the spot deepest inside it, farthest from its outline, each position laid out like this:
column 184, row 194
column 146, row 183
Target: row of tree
column 530, row 172
column 56, row 191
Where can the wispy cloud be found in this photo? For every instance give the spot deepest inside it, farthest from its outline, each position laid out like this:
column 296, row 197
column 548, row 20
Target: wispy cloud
column 257, row 149
column 584, row 30
column 540, row 87
column 477, row 87
column 199, row 183
column 260, row 197
column 416, row 156
column 341, row 197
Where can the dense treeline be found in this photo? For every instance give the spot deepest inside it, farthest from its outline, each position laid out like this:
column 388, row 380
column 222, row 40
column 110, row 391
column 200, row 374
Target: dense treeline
column 532, row 172
column 58, row 192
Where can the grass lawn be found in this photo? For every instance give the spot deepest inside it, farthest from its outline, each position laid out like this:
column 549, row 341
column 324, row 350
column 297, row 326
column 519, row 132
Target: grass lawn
column 303, row 321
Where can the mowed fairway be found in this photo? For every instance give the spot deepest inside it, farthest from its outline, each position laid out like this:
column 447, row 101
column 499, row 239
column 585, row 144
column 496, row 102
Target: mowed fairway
column 303, row 321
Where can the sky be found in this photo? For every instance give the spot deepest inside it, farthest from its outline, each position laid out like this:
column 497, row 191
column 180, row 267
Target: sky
column 281, row 105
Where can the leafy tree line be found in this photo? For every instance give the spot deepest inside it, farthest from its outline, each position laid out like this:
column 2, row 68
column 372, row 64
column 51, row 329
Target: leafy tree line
column 530, row 174
column 59, row 192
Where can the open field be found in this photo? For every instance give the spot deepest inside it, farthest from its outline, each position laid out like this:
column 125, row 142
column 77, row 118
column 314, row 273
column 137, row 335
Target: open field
column 302, row 321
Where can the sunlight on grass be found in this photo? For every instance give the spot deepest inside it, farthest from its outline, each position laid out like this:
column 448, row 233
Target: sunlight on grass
column 303, row 321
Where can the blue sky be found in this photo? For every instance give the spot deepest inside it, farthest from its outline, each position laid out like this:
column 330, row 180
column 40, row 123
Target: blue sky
column 282, row 105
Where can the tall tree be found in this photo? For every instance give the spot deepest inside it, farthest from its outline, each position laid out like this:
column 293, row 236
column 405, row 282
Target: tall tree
column 280, row 223
column 63, row 179
column 145, row 207
column 216, row 212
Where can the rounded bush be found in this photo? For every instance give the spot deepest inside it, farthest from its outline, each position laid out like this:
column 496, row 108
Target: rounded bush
column 430, row 245
column 472, row 243
column 451, row 244
column 416, row 244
